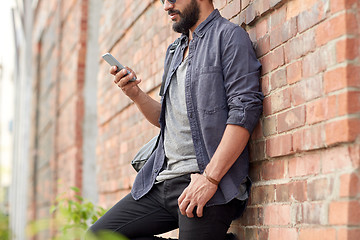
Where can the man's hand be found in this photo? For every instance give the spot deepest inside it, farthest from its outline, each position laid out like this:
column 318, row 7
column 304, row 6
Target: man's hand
column 197, row 194
column 130, row 89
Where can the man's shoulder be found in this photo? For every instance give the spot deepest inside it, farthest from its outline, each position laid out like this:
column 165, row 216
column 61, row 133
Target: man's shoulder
column 225, row 26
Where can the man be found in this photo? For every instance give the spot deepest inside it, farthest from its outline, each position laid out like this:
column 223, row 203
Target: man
column 197, row 178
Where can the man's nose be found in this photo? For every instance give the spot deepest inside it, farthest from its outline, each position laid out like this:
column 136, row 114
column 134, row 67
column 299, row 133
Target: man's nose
column 168, row 5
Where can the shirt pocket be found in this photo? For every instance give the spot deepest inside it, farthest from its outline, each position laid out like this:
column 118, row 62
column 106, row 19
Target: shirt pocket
column 211, row 91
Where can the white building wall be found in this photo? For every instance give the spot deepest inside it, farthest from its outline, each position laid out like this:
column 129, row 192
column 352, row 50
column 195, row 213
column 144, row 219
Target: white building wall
column 22, row 117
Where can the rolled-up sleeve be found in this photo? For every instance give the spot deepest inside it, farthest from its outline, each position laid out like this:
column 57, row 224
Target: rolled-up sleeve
column 241, row 71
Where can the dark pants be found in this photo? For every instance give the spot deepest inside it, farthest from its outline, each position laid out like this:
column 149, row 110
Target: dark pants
column 158, row 212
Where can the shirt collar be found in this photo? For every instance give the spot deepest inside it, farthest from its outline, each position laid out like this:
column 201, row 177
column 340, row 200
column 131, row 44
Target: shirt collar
column 205, row 25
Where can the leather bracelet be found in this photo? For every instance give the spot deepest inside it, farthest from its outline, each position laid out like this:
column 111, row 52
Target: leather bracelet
column 210, row 179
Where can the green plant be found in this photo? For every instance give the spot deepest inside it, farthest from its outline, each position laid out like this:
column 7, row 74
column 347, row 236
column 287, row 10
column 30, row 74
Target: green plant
column 72, row 217
column 4, row 227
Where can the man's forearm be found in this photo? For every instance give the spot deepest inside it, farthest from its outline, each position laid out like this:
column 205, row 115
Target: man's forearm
column 232, row 144
column 149, row 107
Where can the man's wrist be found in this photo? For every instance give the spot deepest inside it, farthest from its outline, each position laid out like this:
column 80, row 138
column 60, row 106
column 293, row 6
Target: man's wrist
column 210, row 179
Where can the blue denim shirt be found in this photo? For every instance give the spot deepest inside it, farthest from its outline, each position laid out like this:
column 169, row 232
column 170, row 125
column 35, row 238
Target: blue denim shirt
column 221, row 87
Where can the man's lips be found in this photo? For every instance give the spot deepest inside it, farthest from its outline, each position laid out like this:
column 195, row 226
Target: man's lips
column 173, row 14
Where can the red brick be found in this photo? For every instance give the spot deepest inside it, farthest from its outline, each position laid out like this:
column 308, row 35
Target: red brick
column 322, row 109
column 261, row 28
column 349, row 103
column 306, row 90
column 263, row 46
column 273, row 170
column 276, row 102
column 291, row 119
column 219, row 4
column 311, row 17
column 319, row 189
column 267, row 109
column 317, row 233
column 257, row 133
column 298, row 191
column 310, row 213
column 272, row 60
column 290, row 192
column 279, row 146
column 299, row 46
column 244, row 3
column 270, row 126
column 335, row 79
column 309, row 138
column 231, row 9
column 335, row 159
column 294, row 8
column 260, row 6
column 340, row 131
column 316, row 111
column 289, row 29
column 240, row 232
column 332, row 105
column 349, row 185
column 262, row 194
column 316, row 62
column 355, row 155
column 277, row 215
column 282, row 193
column 347, row 49
column 339, row 5
column 257, row 151
column 273, row 3
column 277, row 18
column 304, row 165
column 282, row 233
column 275, row 37
column 256, row 233
column 333, row 28
column 294, row 72
column 253, row 216
column 265, row 85
column 348, row 234
column 278, row 79
column 250, row 14
column 352, row 76
column 344, row 213
column 255, row 170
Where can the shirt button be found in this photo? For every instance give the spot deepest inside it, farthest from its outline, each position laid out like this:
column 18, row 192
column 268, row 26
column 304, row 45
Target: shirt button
column 156, row 170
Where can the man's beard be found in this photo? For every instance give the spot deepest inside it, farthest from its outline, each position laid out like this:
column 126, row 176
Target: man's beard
column 188, row 17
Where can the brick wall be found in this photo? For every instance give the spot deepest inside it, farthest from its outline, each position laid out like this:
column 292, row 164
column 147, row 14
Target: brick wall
column 59, row 38
column 305, row 152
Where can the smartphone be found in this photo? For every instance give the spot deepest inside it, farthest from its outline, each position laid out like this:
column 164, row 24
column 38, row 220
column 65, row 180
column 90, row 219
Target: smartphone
column 113, row 62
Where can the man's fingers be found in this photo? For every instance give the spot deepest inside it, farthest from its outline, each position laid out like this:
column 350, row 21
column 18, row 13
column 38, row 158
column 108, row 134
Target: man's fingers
column 182, row 196
column 131, row 72
column 183, row 206
column 199, row 210
column 189, row 210
column 121, row 79
column 112, row 70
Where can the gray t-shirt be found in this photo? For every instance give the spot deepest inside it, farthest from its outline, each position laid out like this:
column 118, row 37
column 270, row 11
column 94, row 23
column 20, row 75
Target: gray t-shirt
column 178, row 144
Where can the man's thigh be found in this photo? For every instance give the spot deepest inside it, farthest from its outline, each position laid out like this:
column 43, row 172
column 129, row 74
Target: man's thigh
column 214, row 223
column 135, row 219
